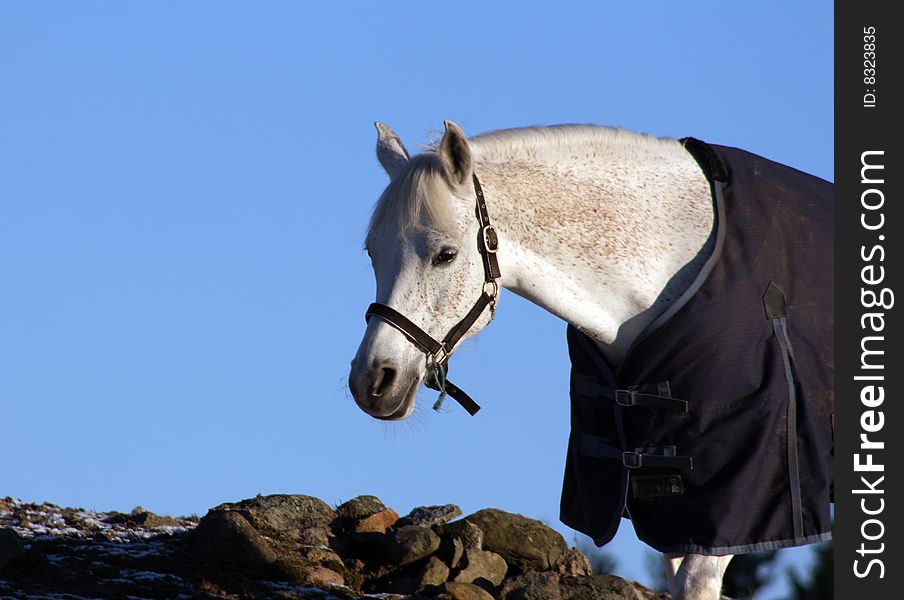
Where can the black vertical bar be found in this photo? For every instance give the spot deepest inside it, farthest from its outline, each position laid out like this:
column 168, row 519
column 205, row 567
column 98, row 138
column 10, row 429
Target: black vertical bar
column 868, row 272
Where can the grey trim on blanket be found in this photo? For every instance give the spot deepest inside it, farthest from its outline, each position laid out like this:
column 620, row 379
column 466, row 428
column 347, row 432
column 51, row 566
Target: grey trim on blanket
column 780, row 327
column 758, row 547
column 717, row 190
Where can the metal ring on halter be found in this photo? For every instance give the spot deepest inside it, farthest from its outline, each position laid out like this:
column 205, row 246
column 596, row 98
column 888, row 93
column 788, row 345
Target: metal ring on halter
column 494, row 285
column 439, row 357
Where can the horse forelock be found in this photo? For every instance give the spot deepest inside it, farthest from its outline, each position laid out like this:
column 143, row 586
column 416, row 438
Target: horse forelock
column 414, row 199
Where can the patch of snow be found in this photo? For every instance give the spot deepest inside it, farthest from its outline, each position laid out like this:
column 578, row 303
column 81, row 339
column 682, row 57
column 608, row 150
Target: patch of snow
column 137, row 575
column 298, row 589
column 134, row 549
column 51, row 596
column 173, row 529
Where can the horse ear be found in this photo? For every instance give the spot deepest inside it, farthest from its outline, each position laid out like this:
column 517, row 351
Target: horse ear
column 390, row 151
column 455, row 153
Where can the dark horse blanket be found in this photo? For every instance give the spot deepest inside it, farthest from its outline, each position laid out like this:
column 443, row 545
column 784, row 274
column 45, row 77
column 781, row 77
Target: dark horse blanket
column 715, row 434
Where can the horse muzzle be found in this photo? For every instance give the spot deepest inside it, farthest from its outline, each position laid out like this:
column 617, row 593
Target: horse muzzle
column 382, row 391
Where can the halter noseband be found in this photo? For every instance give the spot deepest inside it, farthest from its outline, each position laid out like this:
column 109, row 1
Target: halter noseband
column 438, row 352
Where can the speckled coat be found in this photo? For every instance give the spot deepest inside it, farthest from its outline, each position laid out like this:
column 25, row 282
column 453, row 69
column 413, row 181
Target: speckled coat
column 715, row 434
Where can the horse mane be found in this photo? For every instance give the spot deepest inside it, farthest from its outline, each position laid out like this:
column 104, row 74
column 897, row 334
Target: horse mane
column 416, row 192
column 564, row 142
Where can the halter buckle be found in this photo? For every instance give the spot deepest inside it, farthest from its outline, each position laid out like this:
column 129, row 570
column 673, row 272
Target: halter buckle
column 490, row 239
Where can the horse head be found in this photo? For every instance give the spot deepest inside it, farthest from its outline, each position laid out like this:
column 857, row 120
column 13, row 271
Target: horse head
column 428, row 254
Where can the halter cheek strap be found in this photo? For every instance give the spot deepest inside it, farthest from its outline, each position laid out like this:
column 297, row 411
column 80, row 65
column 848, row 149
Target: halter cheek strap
column 438, row 352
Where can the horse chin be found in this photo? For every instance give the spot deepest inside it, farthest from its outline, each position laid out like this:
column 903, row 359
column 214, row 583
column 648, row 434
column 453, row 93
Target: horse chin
column 405, row 407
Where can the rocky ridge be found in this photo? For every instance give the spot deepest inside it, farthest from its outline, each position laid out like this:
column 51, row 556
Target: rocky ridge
column 293, row 546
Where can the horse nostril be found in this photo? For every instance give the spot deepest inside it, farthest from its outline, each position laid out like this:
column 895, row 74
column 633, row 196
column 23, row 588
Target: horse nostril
column 382, row 381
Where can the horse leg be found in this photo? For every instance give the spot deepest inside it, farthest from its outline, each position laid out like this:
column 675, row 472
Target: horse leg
column 672, row 563
column 700, row 577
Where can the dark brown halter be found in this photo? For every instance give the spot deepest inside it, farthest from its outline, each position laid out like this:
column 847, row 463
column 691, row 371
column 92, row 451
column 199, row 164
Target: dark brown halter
column 438, row 352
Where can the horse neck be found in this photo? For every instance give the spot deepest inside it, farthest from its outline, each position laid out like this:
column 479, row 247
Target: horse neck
column 606, row 241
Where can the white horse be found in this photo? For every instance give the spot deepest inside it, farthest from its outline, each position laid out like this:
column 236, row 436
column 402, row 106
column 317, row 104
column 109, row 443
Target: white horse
column 601, row 227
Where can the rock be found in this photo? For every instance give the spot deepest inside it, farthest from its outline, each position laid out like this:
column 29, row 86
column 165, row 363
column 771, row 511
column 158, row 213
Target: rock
column 451, row 550
column 310, row 566
column 486, row 569
column 471, row 535
column 602, row 587
column 431, row 574
column 226, row 536
column 360, row 507
column 573, row 563
column 141, row 517
column 283, row 515
column 364, row 515
column 378, row 522
column 525, row 544
column 11, row 546
column 531, row 586
column 408, row 544
column 310, row 575
column 434, row 572
column 312, row 536
column 464, row 591
column 286, row 532
column 322, row 556
column 323, row 577
column 369, row 547
column 427, row 516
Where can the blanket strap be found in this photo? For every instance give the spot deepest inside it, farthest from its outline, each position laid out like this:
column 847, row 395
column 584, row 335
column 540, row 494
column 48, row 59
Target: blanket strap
column 667, row 457
column 635, row 395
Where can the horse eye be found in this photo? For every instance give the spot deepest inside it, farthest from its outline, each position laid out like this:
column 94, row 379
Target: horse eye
column 446, row 255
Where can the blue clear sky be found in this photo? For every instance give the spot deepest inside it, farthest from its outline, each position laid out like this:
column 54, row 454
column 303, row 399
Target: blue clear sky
column 184, row 190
